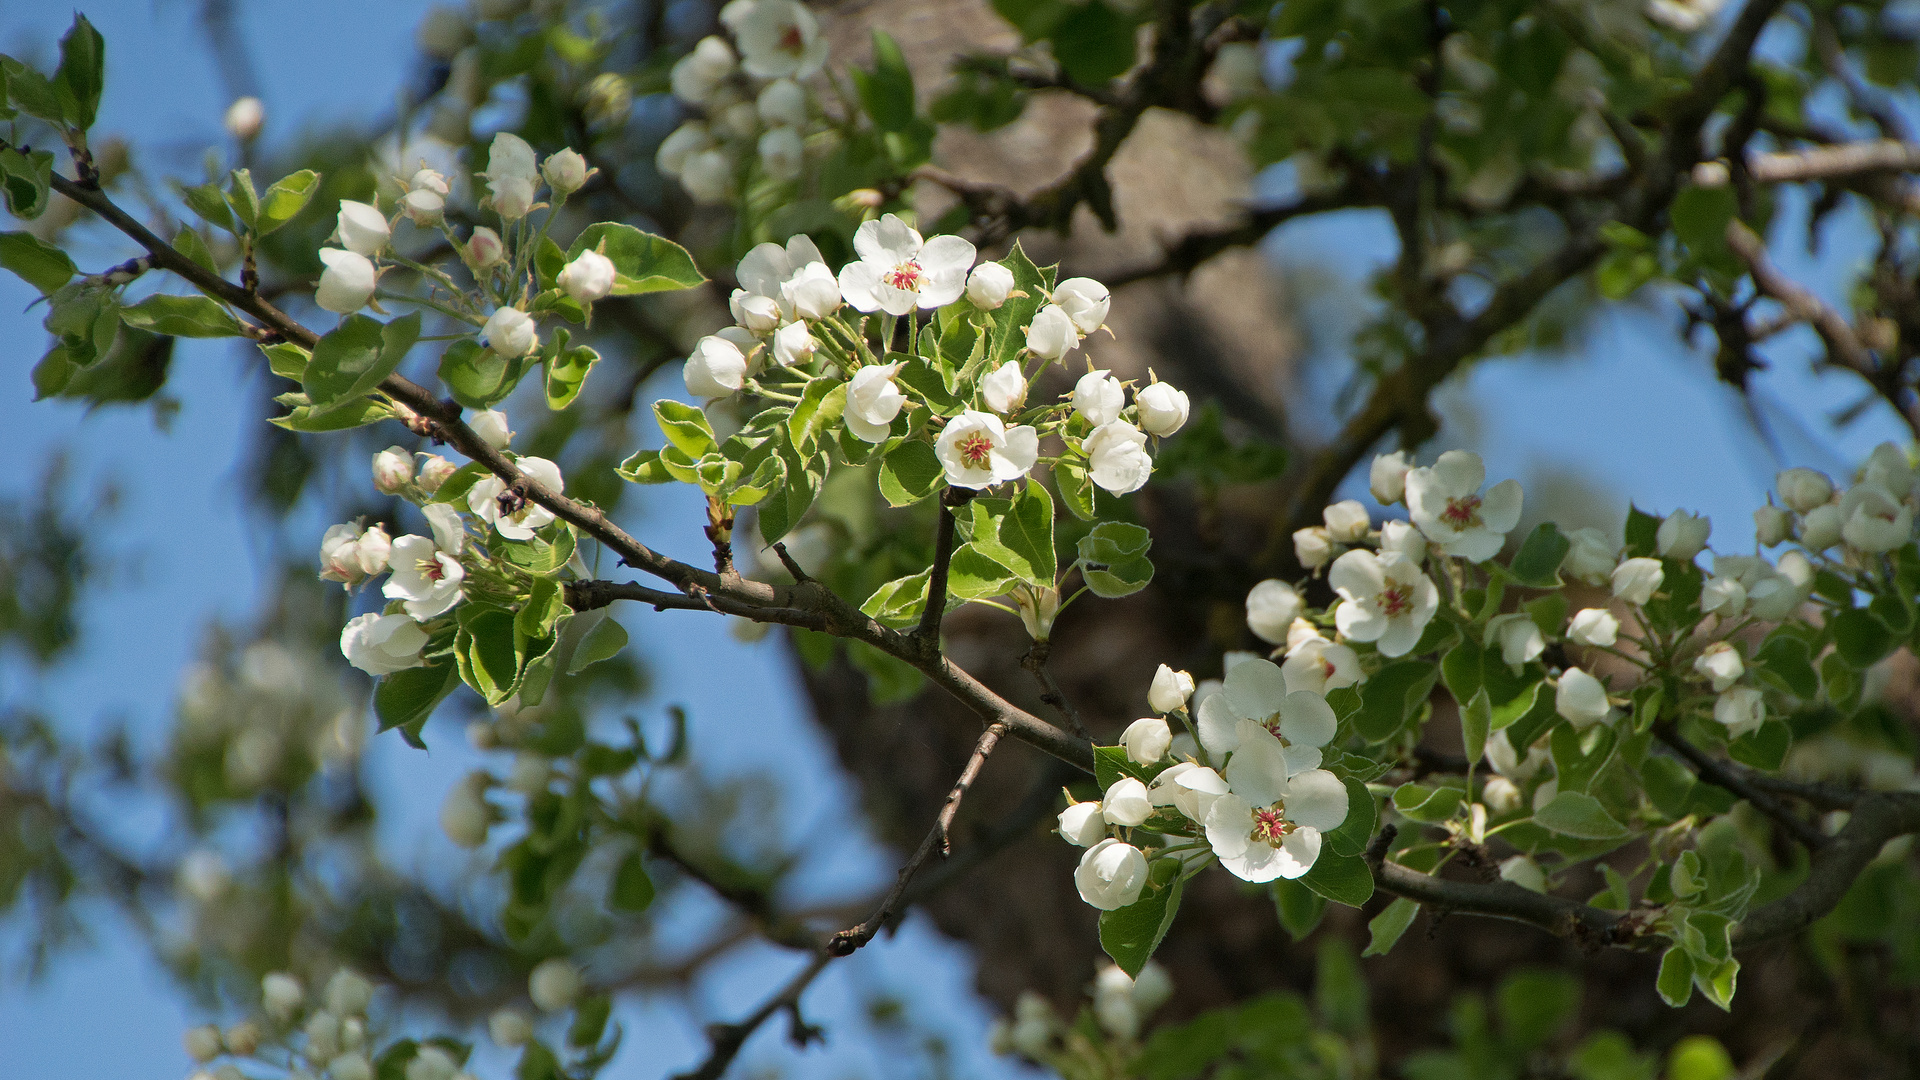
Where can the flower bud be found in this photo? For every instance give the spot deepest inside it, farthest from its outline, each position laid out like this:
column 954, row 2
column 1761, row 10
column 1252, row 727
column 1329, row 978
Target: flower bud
column 1594, row 626
column 1082, row 825
column 696, row 76
column 1723, row 596
column 1170, row 689
column 1115, row 1013
column 1872, row 519
column 1110, row 875
column 715, row 369
column 1098, row 397
column 708, row 177
column 1803, row 489
column 1152, row 988
column 1720, row 664
column 1387, row 477
column 1741, row 709
column 566, row 172
column 1052, row 335
column 989, row 285
column 429, row 180
column 1005, row 387
column 1500, row 795
column 443, row 32
column 1312, row 547
column 1347, row 521
column 1032, row 1038
column 588, row 277
column 509, row 1028
column 392, row 470
column 434, row 471
column 464, row 815
column 362, row 229
column 1682, row 535
column 1146, row 741
column 350, row 1066
column 1582, row 699
column 1162, row 409
column 430, row 1062
column 1820, row 528
column 554, row 984
column 510, row 332
column 484, row 249
column 323, row 1037
column 347, row 283
column 1636, row 580
column 1589, row 558
column 491, row 426
column 794, row 344
column 1272, row 606
column 783, row 153
column 203, row 1043
column 244, row 118
column 426, row 209
column 1772, row 525
column 686, row 140
column 511, row 198
column 281, row 995
column 1518, row 638
column 1085, row 301
column 1126, row 803
column 242, row 1039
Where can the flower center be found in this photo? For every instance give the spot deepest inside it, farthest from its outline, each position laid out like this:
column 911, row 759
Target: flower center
column 975, row 447
column 432, row 570
column 1462, row 513
column 905, row 277
column 791, row 40
column 1393, row 601
column 1270, row 826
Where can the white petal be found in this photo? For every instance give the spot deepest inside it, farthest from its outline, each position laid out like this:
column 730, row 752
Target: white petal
column 1460, row 472
column 1501, row 507
column 1317, row 799
column 1256, row 689
column 1229, row 822
column 1302, row 758
column 857, row 283
column 1258, row 771
column 1298, row 852
column 1305, row 718
column 1219, row 727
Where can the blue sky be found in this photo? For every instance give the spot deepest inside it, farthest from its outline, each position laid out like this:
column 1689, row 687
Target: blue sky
column 1631, row 415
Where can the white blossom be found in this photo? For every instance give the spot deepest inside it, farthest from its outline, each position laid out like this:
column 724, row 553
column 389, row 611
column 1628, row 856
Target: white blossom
column 449, row 531
column 1582, row 699
column 977, row 451
column 783, row 153
column 1269, row 824
column 346, row 283
column 688, row 139
column 509, row 1028
column 1152, row 988
column 485, row 249
column 698, row 74
column 1004, row 389
column 793, row 344
column 434, row 471
column 464, row 814
column 348, row 993
column 1385, row 600
column 1085, row 301
column 1500, row 795
column 484, row 500
column 383, row 644
column 1098, row 397
column 1741, row 709
column 1347, row 521
column 1256, row 693
column 715, row 369
column 1888, row 468
column 429, row 180
column 1403, row 539
column 1682, row 535
column 510, row 332
column 244, row 118
column 1589, row 557
column 281, row 995
column 1126, row 803
column 425, row 209
column 1162, row 409
column 1319, row 665
column 1082, row 825
column 1052, row 334
column 554, row 984
column 430, row 1062
column 511, row 175
column 1873, row 519
column 1117, row 457
column 1517, row 636
column 708, row 176
column 1147, row 740
column 782, row 102
column 1506, row 760
column 1820, row 528
column 1113, row 1007
column 1777, row 595
column 778, row 38
column 897, row 271
column 1720, row 664
column 1272, row 605
column 812, row 292
column 1636, row 580
column 350, row 554
column 1723, row 596
column 753, row 311
column 1772, row 525
column 1300, row 632
column 1445, row 502
column 362, row 229
column 349, row 1066
column 873, row 401
column 1312, row 547
column 1188, row 788
column 1387, row 477
column 989, row 285
column 491, row 426
column 1594, row 626
column 426, row 579
column 1170, row 690
column 587, row 278
column 1803, row 489
column 1111, row 875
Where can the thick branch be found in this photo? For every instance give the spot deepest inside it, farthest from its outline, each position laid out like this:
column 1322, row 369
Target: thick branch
column 1876, row 819
column 1716, row 772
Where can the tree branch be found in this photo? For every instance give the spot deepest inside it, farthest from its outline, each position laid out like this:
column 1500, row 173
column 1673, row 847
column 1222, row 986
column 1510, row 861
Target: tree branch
column 727, row 1039
column 1035, row 661
column 928, row 632
column 1877, row 818
column 1717, row 773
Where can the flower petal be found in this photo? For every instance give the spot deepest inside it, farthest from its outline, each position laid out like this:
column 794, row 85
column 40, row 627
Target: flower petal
column 1317, row 799
column 1219, row 727
column 1229, row 823
column 1258, row 770
column 1298, row 852
column 1357, row 574
column 1460, row 472
column 1256, row 689
column 1501, row 507
column 857, row 283
column 1302, row 758
column 1305, row 718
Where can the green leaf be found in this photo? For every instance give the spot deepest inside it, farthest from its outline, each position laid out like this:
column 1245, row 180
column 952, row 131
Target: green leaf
column 82, row 73
column 632, row 889
column 887, row 90
column 1860, row 638
column 1390, row 696
column 478, row 377
column 206, row 201
column 567, row 374
column 909, row 473
column 1430, row 805
column 685, row 426
column 35, row 261
column 1764, row 748
column 1476, row 723
column 25, row 179
column 243, row 198
column 544, row 605
column 183, row 316
column 1130, row 934
column 1298, row 907
column 1008, row 337
column 1699, row 1057
column 1537, row 563
column 1017, row 533
column 820, row 405
column 1574, row 814
column 602, row 642
column 354, row 357
column 350, row 414
column 898, row 603
column 590, row 1015
column 1094, row 43
column 642, row 262
column 1675, row 982
column 537, row 1062
column 786, row 505
column 974, row 575
column 487, row 651
column 190, row 243
column 1353, row 835
column 1387, row 926
column 1344, row 879
column 32, row 91
column 1113, row 559
column 284, row 200
column 405, row 699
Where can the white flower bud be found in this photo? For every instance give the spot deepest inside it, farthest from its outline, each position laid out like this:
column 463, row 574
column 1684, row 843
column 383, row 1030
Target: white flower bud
column 566, row 172
column 203, row 874
column 242, row 1039
column 443, row 32
column 1594, row 626
column 1152, row 988
column 715, row 369
column 1741, row 709
column 1163, row 409
column 708, row 177
column 1803, row 489
column 425, row 209
column 1085, row 301
column 1387, row 477
column 813, row 291
column 464, row 815
column 1126, row 803
column 347, row 283
column 1401, row 537
column 484, row 249
column 491, row 426
column 588, row 277
column 1272, row 606
column 1636, row 580
column 1518, row 637
column 1682, row 535
column 554, row 984
column 323, row 1037
column 510, row 332
column 697, row 75
column 1170, row 689
column 1872, row 519
column 686, row 140
column 1098, row 397
column 203, row 1043
column 794, row 344
column 509, row 1028
column 362, row 229
column 1116, row 1014
column 381, row 645
column 1347, row 521
column 989, row 285
column 430, row 1062
column 1146, row 741
column 1589, row 558
column 783, row 153
column 1082, row 825
column 1582, row 699
column 1500, row 795
column 782, row 103
column 429, row 180
column 1820, row 528
column 350, row 1066
column 348, row 993
column 1005, row 387
column 1723, row 596
column 1312, row 546
column 1052, row 335
column 757, row 313
column 1720, row 664
column 281, row 995
column 244, row 118
column 1772, row 525
column 392, row 470
column 1110, row 876
column 1117, row 457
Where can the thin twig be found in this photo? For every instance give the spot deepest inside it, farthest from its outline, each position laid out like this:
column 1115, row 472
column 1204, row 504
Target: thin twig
column 727, row 1039
column 1035, row 661
column 928, row 632
column 1714, row 772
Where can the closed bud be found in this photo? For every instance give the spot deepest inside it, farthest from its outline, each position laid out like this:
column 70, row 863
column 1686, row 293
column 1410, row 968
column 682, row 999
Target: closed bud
column 464, row 815
column 281, row 995
column 491, row 426
column 484, row 249
column 244, row 118
column 1772, row 525
column 1589, row 557
column 1720, row 664
column 1272, row 606
column 203, row 1043
column 1820, row 528
column 1004, row 388
column 362, row 228
column 566, row 172
column 1803, row 489
column 783, row 153
column 243, row 1038
column 589, row 277
column 323, row 1037
column 1170, row 689
column 1082, row 825
column 989, row 285
column 424, row 208
column 554, row 984
column 349, row 993
column 351, row 1066
column 1683, row 535
column 1387, row 477
column 1162, row 409
column 1500, row 795
column 1313, row 547
column 347, row 283
column 1127, row 803
column 392, row 470
column 1594, row 626
column 1347, row 521
column 510, row 332
column 429, row 180
column 708, row 177
column 509, row 1028
column 1637, row 579
column 434, row 471
column 782, row 102
column 1146, row 740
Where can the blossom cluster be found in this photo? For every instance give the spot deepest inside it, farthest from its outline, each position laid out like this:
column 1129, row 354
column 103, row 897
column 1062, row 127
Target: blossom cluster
column 788, row 315
column 752, row 98
column 1119, row 1005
